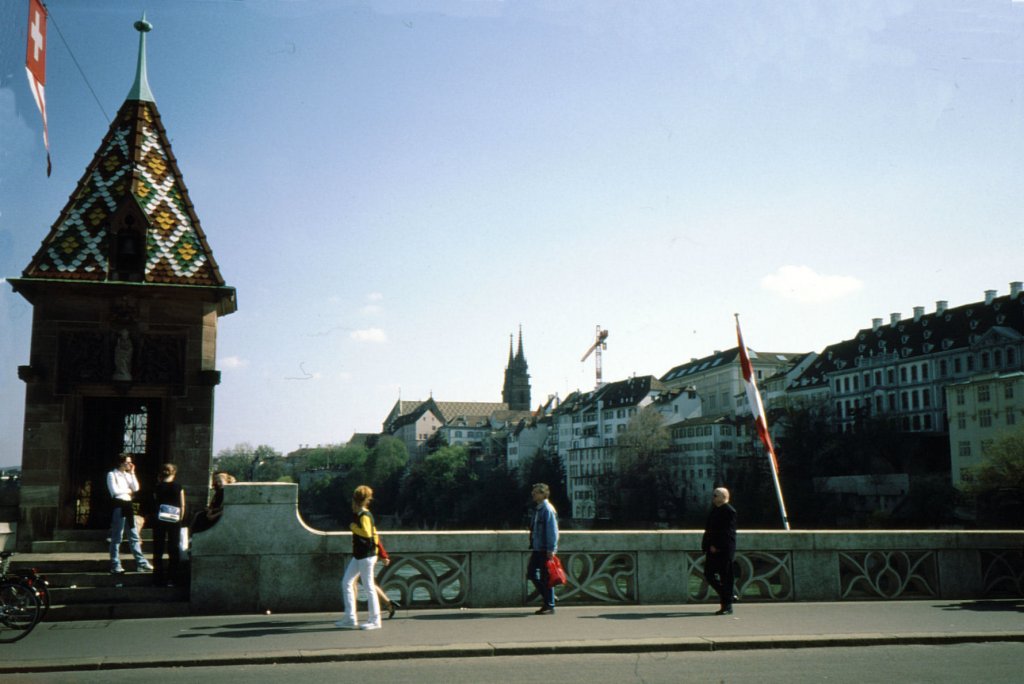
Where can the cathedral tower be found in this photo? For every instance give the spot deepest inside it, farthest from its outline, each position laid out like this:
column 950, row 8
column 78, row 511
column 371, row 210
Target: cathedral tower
column 516, row 392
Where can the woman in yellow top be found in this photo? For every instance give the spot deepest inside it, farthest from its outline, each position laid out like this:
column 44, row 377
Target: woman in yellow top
column 364, row 557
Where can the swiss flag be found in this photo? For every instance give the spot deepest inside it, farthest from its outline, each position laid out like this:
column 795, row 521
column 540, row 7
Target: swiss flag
column 754, row 397
column 35, row 64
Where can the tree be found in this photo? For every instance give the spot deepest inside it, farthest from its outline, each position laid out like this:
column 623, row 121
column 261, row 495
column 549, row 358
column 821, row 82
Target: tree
column 546, row 468
column 385, row 466
column 645, row 488
column 997, row 483
column 247, row 464
column 431, row 493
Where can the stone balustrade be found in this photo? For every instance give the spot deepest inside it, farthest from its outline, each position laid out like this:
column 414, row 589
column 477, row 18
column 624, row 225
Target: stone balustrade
column 262, row 556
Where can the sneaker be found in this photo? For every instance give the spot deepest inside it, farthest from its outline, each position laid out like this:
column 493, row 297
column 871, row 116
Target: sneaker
column 345, row 624
column 369, row 625
column 117, row 571
column 546, row 610
column 724, row 611
column 144, row 568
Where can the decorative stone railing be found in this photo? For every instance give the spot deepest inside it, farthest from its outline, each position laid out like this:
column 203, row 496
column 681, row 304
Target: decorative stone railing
column 261, row 556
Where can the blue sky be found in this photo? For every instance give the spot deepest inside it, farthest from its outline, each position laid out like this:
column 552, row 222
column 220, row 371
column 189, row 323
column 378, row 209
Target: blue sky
column 394, row 187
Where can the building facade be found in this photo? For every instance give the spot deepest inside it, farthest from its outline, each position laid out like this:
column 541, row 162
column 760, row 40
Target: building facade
column 981, row 410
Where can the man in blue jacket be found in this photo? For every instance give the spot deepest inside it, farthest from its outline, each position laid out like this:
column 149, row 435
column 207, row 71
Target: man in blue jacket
column 543, row 545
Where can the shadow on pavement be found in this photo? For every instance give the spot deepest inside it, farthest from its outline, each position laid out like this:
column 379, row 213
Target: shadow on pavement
column 245, row 630
column 1014, row 605
column 457, row 614
column 648, row 616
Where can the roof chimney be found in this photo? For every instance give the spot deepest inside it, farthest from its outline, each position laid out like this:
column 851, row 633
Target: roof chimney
column 876, row 323
column 1015, row 288
column 989, row 296
column 940, row 307
column 918, row 312
column 894, row 318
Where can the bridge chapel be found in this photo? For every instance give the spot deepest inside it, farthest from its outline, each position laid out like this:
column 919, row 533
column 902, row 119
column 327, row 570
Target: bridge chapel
column 126, row 296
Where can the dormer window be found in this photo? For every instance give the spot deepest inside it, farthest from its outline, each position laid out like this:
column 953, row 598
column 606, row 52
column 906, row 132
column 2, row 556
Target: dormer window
column 128, row 253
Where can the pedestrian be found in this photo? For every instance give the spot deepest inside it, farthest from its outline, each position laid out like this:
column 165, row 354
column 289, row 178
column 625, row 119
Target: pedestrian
column 364, row 557
column 122, row 485
column 719, row 547
column 543, row 545
column 169, row 498
column 205, row 518
column 389, row 604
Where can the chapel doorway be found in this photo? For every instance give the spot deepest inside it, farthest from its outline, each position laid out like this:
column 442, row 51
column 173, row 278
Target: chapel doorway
column 106, row 427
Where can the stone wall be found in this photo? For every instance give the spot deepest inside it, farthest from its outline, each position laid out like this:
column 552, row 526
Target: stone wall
column 261, row 556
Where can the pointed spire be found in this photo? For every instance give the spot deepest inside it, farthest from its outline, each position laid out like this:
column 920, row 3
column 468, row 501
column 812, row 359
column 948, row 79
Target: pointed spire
column 510, row 357
column 519, row 354
column 140, row 89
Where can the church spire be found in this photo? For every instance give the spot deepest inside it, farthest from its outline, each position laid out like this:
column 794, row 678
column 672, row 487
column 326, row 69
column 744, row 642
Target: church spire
column 140, row 89
column 516, row 391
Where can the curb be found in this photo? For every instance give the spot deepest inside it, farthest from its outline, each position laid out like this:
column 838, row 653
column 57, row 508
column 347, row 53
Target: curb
column 480, row 650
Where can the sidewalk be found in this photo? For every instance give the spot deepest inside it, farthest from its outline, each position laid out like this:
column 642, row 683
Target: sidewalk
column 296, row 638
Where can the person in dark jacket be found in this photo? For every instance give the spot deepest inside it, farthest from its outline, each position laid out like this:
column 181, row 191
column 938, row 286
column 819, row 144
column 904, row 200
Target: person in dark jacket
column 169, row 497
column 719, row 547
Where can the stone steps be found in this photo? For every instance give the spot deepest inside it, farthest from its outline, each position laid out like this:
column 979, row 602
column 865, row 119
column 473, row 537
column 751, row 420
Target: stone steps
column 82, row 588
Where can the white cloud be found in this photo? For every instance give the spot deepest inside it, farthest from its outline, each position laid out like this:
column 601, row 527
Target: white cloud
column 804, row 284
column 232, row 362
column 375, row 296
column 371, row 310
column 369, row 335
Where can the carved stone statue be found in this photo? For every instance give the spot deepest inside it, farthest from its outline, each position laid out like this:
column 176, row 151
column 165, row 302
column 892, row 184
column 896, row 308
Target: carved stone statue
column 123, row 357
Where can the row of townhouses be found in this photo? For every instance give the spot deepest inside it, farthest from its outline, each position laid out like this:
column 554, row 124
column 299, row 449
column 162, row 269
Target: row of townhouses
column 954, row 373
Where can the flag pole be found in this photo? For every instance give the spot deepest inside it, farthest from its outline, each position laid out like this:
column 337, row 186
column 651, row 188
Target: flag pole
column 760, row 418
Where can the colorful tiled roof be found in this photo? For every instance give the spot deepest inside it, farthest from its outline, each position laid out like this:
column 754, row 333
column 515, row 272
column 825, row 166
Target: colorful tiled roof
column 133, row 171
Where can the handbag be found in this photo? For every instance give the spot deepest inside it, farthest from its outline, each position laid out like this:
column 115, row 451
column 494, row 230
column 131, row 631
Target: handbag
column 169, row 513
column 556, row 573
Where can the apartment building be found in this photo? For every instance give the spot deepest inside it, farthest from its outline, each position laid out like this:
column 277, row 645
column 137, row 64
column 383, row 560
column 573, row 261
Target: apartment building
column 588, row 426
column 901, row 370
column 981, row 409
column 718, row 379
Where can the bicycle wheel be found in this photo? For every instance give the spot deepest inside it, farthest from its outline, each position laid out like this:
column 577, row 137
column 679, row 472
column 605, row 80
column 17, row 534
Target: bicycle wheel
column 42, row 589
column 19, row 611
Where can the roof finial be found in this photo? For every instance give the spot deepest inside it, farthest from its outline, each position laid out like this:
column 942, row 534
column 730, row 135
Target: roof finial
column 140, row 89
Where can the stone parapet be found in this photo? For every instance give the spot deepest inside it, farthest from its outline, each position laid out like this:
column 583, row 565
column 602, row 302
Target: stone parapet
column 262, row 556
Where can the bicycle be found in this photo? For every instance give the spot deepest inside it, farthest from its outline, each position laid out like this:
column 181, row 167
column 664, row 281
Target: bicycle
column 24, row 600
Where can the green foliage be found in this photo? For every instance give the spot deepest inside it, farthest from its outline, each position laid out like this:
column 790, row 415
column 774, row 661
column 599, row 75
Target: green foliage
column 248, row 464
column 997, row 483
column 546, row 468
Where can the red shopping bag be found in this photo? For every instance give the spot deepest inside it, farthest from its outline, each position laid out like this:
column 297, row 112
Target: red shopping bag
column 556, row 573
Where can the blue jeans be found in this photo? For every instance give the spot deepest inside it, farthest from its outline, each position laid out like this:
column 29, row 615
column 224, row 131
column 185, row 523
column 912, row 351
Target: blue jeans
column 117, row 525
column 537, row 572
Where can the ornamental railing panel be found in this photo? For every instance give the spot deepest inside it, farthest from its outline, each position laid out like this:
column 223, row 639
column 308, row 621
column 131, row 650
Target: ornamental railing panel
column 759, row 575
column 1002, row 573
column 423, row 580
column 888, row 574
column 595, row 578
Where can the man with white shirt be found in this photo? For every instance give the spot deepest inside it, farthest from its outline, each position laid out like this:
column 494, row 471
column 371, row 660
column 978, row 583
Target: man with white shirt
column 122, row 484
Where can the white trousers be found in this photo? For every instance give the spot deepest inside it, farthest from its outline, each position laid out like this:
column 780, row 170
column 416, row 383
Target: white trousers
column 363, row 567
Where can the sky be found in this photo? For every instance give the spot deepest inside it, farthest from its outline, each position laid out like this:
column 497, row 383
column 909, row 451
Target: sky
column 394, row 188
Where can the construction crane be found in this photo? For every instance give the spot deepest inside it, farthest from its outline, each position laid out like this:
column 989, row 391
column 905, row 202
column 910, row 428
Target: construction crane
column 595, row 349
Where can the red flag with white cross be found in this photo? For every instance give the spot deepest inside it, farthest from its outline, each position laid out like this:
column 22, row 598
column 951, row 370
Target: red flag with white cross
column 35, row 64
column 760, row 417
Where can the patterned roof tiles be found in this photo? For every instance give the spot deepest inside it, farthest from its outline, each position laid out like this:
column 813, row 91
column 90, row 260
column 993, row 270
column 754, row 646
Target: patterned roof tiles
column 133, row 166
